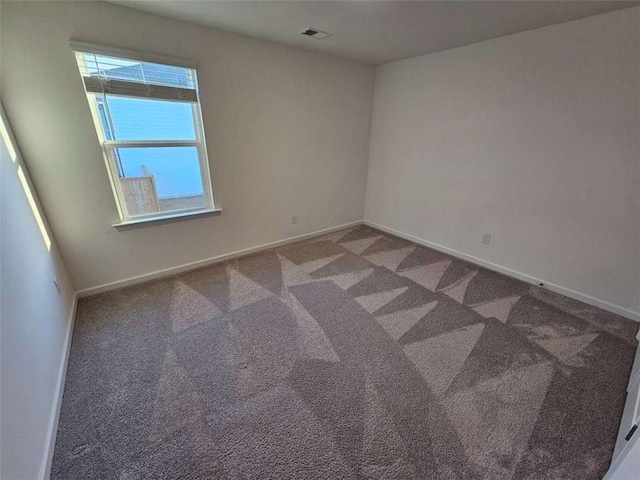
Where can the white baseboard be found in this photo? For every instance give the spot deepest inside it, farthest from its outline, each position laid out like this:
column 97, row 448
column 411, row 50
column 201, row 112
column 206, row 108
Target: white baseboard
column 206, row 262
column 596, row 302
column 52, row 429
column 45, row 468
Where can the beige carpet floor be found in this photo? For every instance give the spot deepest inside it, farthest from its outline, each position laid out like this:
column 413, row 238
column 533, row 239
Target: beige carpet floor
column 352, row 355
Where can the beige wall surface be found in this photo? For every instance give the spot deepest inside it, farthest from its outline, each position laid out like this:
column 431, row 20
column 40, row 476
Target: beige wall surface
column 287, row 132
column 535, row 138
column 35, row 324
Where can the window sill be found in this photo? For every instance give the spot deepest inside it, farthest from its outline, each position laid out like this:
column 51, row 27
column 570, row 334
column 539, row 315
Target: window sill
column 161, row 220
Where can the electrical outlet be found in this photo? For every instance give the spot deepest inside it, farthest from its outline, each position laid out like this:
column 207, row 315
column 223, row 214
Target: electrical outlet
column 486, row 238
column 294, row 218
column 57, row 284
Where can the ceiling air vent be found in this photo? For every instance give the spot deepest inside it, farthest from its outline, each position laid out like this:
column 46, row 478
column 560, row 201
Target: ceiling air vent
column 315, row 33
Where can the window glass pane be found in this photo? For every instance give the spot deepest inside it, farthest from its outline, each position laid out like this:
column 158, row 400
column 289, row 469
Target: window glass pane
column 149, row 105
column 128, row 118
column 160, row 179
column 136, row 71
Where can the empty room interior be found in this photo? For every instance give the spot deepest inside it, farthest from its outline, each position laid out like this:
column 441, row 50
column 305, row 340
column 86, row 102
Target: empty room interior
column 320, row 240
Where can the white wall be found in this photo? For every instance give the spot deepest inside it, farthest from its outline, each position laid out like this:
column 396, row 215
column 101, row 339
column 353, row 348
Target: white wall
column 287, row 132
column 34, row 329
column 535, row 138
column 628, row 465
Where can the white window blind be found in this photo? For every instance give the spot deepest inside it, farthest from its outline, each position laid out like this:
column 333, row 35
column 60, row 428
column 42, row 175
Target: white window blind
column 128, row 77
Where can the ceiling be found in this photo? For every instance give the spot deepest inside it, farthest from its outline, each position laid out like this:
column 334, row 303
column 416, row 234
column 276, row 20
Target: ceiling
column 377, row 32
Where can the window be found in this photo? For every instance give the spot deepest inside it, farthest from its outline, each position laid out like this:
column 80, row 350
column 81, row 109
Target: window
column 148, row 120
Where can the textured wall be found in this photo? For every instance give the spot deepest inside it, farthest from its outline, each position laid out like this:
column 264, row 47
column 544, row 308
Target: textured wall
column 34, row 328
column 531, row 137
column 287, row 133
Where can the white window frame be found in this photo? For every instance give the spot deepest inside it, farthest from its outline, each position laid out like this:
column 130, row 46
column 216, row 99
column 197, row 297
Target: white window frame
column 110, row 146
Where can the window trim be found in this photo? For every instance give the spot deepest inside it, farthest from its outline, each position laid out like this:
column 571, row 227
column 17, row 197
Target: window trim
column 109, row 146
column 180, row 216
